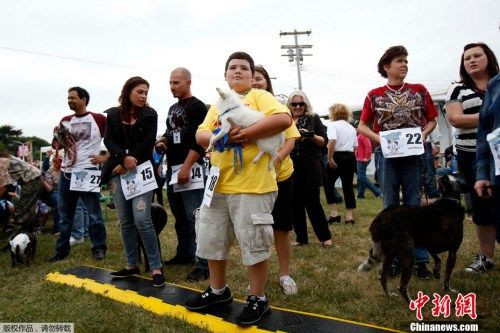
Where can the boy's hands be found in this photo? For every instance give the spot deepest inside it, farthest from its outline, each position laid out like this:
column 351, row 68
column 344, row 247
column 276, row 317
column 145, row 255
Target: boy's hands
column 237, row 134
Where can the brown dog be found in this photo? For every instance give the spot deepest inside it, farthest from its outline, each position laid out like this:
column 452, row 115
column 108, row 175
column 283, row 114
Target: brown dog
column 437, row 227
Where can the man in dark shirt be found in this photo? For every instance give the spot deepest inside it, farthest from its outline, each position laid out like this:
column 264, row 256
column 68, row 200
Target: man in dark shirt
column 184, row 159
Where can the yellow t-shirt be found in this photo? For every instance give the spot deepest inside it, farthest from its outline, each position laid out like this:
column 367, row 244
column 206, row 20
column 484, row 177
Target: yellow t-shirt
column 285, row 168
column 253, row 178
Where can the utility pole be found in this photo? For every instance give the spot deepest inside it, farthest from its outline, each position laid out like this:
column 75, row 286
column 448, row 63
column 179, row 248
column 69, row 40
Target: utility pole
column 295, row 51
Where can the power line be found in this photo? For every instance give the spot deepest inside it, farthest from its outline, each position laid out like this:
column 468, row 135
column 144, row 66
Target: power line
column 76, row 59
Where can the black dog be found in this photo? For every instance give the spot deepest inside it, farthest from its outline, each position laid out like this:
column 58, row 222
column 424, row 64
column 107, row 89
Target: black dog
column 22, row 244
column 437, row 227
column 159, row 217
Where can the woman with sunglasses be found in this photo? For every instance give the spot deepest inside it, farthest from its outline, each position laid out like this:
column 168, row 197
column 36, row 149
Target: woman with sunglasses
column 478, row 65
column 307, row 163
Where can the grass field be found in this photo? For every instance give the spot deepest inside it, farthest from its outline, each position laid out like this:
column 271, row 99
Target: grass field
column 327, row 280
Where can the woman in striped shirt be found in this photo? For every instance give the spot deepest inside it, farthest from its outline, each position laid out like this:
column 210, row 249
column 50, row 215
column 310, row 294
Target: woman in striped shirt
column 478, row 65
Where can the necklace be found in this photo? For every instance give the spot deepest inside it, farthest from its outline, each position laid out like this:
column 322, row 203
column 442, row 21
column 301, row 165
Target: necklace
column 398, row 91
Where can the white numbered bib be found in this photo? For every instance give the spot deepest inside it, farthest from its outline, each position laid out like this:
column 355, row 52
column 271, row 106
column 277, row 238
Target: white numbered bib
column 402, row 142
column 494, row 141
column 83, row 180
column 213, row 177
column 139, row 181
column 195, row 178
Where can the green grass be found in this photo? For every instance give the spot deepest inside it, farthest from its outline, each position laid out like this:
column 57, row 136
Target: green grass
column 327, row 280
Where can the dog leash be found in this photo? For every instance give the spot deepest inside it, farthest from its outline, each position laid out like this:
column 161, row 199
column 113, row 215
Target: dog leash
column 222, row 145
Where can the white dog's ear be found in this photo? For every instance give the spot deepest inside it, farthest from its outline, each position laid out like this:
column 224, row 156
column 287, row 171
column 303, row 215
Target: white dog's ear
column 222, row 94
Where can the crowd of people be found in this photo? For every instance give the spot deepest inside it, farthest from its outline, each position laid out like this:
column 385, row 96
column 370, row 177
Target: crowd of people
column 215, row 202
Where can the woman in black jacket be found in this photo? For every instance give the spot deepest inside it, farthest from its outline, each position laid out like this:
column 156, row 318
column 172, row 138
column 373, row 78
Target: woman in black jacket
column 130, row 137
column 306, row 157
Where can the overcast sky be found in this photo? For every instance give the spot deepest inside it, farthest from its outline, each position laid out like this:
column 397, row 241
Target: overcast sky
column 118, row 39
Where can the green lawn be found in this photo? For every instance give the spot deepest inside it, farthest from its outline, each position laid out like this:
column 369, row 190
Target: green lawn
column 327, row 280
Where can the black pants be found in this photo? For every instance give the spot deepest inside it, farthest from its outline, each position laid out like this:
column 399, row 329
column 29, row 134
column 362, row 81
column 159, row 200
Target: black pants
column 331, row 193
column 346, row 167
column 482, row 208
column 306, row 198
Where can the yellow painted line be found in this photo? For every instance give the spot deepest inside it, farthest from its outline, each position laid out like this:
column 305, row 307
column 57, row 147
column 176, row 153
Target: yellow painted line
column 208, row 322
column 155, row 305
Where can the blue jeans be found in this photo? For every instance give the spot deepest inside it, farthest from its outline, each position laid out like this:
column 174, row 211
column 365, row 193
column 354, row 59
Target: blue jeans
column 67, row 201
column 51, row 201
column 80, row 222
column 136, row 211
column 183, row 204
column 429, row 172
column 404, row 173
column 363, row 181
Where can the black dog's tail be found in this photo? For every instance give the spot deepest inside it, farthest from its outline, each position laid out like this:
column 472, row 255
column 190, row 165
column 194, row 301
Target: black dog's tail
column 375, row 257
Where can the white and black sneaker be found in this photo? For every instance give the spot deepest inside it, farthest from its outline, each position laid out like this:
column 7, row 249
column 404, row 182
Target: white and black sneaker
column 480, row 264
column 207, row 298
column 253, row 312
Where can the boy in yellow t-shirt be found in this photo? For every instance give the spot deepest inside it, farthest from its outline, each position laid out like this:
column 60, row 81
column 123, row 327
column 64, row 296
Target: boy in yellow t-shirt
column 242, row 202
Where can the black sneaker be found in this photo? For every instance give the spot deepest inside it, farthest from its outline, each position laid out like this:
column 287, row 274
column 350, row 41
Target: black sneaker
column 99, row 254
column 55, row 257
column 394, row 270
column 421, row 271
column 158, row 280
column 253, row 311
column 124, row 272
column 480, row 265
column 198, row 274
column 179, row 261
column 207, row 299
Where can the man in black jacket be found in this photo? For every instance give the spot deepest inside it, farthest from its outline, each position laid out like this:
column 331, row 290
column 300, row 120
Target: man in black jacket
column 185, row 162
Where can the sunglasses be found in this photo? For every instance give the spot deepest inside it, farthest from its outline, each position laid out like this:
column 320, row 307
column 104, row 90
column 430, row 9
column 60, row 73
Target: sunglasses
column 298, row 104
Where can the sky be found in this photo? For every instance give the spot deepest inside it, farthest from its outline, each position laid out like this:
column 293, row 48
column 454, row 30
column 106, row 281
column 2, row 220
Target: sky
column 48, row 46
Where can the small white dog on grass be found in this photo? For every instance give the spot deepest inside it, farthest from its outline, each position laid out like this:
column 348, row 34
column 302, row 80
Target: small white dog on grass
column 232, row 111
column 22, row 245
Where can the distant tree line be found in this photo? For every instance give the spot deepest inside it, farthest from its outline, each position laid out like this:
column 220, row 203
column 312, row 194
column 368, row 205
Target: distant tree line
column 11, row 138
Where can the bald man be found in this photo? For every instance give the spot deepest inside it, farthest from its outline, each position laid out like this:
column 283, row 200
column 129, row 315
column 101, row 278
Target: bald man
column 179, row 144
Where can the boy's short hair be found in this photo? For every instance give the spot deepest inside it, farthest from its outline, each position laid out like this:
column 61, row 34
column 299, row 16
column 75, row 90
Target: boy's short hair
column 243, row 56
column 389, row 54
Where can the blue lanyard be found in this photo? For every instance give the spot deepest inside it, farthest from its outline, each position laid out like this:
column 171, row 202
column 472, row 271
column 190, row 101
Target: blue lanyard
column 222, row 145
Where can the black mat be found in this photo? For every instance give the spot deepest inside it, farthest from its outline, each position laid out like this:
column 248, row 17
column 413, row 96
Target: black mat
column 281, row 320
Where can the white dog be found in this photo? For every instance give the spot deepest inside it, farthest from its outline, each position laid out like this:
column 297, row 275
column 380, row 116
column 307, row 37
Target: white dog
column 232, row 111
column 22, row 245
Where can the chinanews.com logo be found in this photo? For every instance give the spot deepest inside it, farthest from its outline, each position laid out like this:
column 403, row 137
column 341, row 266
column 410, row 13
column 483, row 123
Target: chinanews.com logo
column 443, row 327
column 465, row 305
